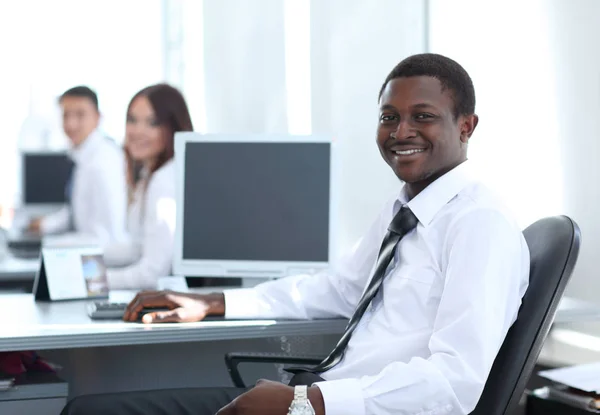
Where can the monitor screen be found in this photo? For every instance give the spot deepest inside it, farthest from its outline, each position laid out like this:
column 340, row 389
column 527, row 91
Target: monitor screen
column 45, row 177
column 256, row 201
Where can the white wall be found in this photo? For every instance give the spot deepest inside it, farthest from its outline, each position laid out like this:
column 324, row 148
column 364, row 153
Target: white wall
column 574, row 36
column 537, row 78
column 244, row 66
column 510, row 60
column 355, row 44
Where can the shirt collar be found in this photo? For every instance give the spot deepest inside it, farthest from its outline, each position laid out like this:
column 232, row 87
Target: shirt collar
column 86, row 149
column 435, row 196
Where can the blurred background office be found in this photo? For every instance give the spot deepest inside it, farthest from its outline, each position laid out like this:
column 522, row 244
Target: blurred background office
column 314, row 66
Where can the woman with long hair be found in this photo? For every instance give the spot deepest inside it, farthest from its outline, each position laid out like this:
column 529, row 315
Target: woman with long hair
column 154, row 115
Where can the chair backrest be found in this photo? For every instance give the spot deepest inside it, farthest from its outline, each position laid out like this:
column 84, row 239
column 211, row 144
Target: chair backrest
column 554, row 246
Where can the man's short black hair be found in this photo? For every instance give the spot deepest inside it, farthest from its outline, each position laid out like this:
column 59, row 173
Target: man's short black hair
column 451, row 75
column 81, row 91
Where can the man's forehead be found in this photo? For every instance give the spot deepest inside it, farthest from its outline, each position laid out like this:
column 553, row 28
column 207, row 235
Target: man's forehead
column 76, row 102
column 414, row 88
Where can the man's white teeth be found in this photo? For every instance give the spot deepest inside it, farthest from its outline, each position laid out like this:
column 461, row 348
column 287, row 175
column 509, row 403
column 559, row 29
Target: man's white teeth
column 408, row 152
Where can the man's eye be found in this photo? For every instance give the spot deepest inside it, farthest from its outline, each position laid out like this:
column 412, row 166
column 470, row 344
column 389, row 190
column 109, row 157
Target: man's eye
column 388, row 118
column 423, row 116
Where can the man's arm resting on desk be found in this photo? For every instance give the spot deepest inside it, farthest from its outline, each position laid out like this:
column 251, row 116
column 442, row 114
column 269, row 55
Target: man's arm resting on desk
column 293, row 297
column 184, row 307
column 300, row 297
column 285, row 298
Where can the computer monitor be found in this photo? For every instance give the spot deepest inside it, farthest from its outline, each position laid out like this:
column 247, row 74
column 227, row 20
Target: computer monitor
column 44, row 177
column 253, row 205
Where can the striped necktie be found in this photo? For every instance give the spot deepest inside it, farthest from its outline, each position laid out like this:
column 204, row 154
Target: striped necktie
column 404, row 221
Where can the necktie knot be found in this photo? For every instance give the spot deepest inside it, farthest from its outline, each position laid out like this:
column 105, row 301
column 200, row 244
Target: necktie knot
column 404, row 221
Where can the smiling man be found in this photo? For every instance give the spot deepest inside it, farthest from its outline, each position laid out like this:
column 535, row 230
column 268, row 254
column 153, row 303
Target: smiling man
column 430, row 290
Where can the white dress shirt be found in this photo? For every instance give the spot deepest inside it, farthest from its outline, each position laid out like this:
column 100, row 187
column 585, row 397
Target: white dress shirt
column 427, row 342
column 99, row 192
column 148, row 253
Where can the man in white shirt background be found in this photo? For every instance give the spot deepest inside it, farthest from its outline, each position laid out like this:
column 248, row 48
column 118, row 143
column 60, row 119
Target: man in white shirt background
column 430, row 290
column 97, row 192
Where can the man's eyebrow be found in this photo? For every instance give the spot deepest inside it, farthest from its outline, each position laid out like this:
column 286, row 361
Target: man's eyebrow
column 422, row 105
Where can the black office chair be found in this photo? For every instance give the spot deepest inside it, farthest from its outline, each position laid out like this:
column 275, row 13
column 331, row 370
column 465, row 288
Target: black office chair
column 554, row 246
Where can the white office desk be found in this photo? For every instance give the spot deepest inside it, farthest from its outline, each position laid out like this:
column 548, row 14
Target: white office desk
column 573, row 310
column 111, row 356
column 16, row 269
column 17, row 275
column 65, row 324
column 572, row 343
column 27, row 324
column 60, row 325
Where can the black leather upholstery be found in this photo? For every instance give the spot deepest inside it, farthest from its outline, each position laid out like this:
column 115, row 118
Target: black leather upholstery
column 553, row 245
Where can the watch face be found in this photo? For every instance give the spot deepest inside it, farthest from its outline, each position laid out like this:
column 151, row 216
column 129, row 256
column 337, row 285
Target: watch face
column 301, row 408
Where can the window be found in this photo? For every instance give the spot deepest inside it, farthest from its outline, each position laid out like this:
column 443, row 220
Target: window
column 115, row 47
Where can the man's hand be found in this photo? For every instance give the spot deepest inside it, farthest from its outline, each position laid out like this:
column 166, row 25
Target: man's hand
column 183, row 307
column 270, row 398
column 35, row 225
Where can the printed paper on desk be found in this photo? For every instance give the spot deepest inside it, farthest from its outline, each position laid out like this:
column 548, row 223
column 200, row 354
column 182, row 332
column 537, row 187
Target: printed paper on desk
column 583, row 377
column 71, row 273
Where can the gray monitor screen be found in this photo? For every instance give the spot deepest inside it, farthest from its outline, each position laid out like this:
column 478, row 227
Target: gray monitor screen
column 45, row 177
column 256, row 201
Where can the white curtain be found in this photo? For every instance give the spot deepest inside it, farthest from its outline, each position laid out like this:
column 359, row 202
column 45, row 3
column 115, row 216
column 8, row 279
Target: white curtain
column 535, row 69
column 244, row 66
column 303, row 66
column 507, row 48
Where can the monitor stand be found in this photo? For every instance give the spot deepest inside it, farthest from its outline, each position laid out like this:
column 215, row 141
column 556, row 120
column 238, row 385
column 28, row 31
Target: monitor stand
column 199, row 282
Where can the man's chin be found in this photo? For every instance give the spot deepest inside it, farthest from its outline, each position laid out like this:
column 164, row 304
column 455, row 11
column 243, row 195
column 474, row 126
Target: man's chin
column 410, row 176
column 75, row 142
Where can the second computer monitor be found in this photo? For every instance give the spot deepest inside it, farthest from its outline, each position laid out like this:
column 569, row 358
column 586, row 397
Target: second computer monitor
column 44, row 177
column 253, row 205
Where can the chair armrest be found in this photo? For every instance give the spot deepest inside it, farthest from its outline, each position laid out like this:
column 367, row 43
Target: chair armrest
column 232, row 360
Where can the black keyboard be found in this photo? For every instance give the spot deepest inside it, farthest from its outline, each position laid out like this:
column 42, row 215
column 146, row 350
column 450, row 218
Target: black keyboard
column 104, row 310
column 23, row 253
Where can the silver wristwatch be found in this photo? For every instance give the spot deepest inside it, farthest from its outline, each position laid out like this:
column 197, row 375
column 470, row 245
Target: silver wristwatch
column 301, row 405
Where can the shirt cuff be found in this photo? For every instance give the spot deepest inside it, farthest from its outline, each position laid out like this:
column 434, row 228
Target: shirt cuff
column 242, row 303
column 342, row 397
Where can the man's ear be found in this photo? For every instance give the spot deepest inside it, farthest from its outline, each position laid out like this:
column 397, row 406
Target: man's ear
column 468, row 123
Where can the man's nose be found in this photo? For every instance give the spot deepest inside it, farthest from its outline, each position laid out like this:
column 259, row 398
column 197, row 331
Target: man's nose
column 404, row 130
